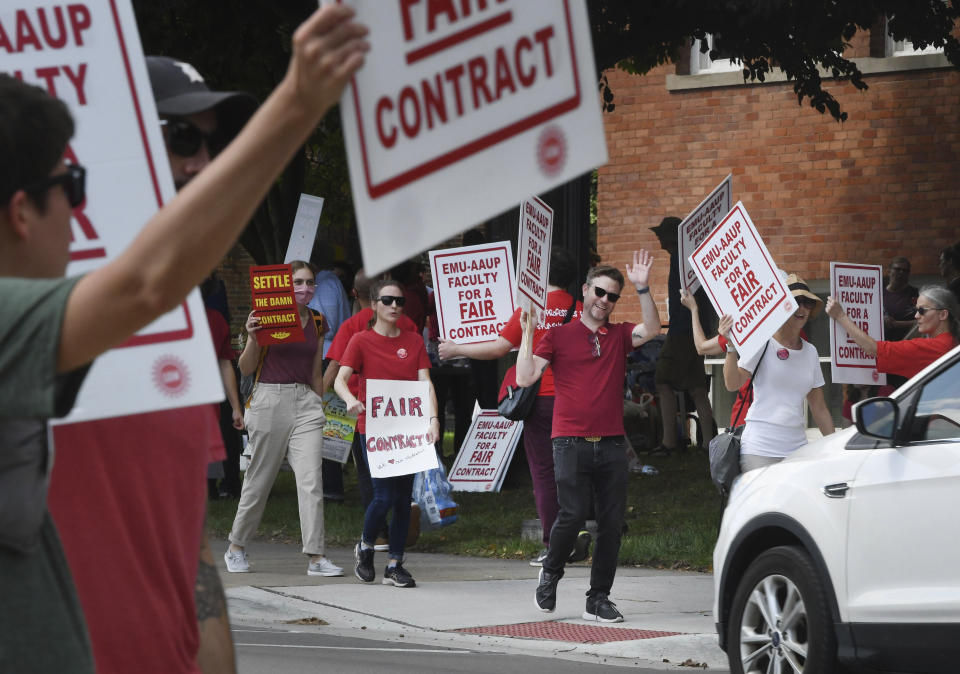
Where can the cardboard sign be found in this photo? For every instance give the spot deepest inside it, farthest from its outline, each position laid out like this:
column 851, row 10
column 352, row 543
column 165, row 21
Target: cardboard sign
column 398, row 420
column 339, row 428
column 695, row 227
column 741, row 279
column 859, row 288
column 271, row 288
column 304, row 231
column 88, row 54
column 474, row 287
column 533, row 254
column 462, row 110
column 486, row 453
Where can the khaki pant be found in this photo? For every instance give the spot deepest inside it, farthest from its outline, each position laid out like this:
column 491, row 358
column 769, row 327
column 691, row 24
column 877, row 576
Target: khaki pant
column 284, row 420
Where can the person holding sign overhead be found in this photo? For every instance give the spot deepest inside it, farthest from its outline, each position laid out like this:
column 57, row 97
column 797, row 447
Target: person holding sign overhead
column 284, row 419
column 938, row 322
column 786, row 371
column 385, row 352
column 589, row 362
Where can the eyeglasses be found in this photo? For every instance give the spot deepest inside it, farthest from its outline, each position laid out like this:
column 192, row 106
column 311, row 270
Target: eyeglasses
column 806, row 302
column 185, row 138
column 303, row 281
column 388, row 300
column 73, row 180
column 595, row 346
column 601, row 293
column 923, row 310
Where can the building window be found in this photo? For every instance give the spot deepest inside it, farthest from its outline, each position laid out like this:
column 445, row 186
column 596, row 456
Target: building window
column 702, row 64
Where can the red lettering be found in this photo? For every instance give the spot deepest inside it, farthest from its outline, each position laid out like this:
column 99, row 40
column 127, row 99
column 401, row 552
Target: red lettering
column 25, row 33
column 61, row 38
column 437, row 7
column 79, row 21
column 526, row 79
column 433, row 102
column 542, row 36
column 405, row 6
column 478, row 80
column 453, row 75
column 77, row 80
column 386, row 139
column 504, row 78
column 409, row 95
column 376, row 403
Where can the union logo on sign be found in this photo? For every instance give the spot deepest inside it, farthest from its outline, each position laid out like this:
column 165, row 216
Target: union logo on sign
column 552, row 150
column 171, row 376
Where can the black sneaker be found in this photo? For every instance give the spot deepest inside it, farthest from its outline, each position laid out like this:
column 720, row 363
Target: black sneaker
column 581, row 550
column 538, row 560
column 398, row 576
column 364, row 567
column 601, row 609
column 546, row 595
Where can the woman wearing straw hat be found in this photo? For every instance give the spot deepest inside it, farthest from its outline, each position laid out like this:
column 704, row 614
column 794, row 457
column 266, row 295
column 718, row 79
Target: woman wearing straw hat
column 787, row 373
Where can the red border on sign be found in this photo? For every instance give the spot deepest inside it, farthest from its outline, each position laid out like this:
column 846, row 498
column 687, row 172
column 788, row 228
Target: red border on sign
column 503, row 457
column 835, row 325
column 435, row 275
column 520, row 288
column 171, row 335
column 734, row 211
column 466, row 150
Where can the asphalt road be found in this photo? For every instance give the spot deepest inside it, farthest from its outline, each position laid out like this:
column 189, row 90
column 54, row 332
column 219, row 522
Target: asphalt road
column 275, row 651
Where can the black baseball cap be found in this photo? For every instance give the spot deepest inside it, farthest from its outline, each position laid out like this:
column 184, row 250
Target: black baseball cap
column 179, row 89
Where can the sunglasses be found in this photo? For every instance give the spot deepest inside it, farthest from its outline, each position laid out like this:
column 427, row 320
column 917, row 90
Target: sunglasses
column 923, row 310
column 184, row 138
column 595, row 345
column 388, row 300
column 73, row 181
column 601, row 293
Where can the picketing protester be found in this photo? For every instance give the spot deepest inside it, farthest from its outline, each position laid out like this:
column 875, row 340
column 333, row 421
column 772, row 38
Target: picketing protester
column 785, row 372
column 899, row 299
column 679, row 366
column 385, row 352
column 589, row 359
column 285, row 420
column 359, row 322
column 536, row 428
column 52, row 328
column 938, row 322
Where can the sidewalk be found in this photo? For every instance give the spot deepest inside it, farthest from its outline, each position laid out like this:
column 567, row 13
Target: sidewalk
column 470, row 602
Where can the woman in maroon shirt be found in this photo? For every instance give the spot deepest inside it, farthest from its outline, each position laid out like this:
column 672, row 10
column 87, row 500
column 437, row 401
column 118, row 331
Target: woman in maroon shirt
column 385, row 352
column 938, row 321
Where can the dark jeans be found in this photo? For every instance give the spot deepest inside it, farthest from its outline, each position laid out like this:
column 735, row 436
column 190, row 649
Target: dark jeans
column 389, row 493
column 584, row 469
column 364, row 483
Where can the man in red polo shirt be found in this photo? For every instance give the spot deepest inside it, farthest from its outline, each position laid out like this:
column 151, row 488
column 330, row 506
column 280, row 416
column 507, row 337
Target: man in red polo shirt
column 588, row 358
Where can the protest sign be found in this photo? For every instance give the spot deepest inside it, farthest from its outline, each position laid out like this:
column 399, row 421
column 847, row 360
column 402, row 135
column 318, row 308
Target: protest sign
column 740, row 278
column 859, row 288
column 461, row 110
column 271, row 288
column 474, row 288
column 304, row 231
column 339, row 428
column 533, row 255
column 486, row 453
column 695, row 227
column 398, row 420
column 89, row 55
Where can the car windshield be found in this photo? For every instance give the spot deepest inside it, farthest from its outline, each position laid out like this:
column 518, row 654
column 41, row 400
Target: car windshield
column 938, row 410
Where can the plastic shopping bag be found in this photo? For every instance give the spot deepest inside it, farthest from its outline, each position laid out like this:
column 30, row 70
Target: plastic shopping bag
column 432, row 492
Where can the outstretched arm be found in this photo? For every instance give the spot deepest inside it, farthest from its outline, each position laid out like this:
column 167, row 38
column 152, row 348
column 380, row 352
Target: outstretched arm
column 835, row 311
column 478, row 351
column 639, row 275
column 704, row 346
column 188, row 236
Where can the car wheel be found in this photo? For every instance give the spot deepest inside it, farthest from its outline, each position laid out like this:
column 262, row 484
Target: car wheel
column 779, row 620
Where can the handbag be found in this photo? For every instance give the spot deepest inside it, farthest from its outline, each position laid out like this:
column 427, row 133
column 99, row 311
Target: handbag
column 517, row 404
column 725, row 448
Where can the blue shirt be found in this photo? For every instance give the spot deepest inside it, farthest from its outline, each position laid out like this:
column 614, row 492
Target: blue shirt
column 330, row 299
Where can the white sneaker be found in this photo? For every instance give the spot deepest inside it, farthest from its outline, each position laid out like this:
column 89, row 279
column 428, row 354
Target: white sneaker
column 323, row 567
column 236, row 561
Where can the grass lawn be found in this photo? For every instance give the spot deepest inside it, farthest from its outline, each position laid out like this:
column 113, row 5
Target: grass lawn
column 671, row 517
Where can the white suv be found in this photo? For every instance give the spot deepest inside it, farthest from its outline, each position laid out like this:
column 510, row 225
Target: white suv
column 848, row 552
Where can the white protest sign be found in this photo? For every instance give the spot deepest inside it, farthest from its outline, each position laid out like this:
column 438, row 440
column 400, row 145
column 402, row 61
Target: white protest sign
column 474, row 288
column 740, row 278
column 398, row 419
column 486, row 453
column 695, row 227
column 88, row 54
column 533, row 254
column 859, row 288
column 461, row 110
column 304, row 230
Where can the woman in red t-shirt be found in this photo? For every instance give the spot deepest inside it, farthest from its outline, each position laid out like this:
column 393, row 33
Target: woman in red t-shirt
column 385, row 352
column 938, row 321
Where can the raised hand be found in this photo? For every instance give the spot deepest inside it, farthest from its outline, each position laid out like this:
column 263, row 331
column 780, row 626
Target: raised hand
column 639, row 273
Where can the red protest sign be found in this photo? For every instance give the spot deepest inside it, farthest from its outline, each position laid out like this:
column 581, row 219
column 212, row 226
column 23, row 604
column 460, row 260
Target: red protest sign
column 271, row 287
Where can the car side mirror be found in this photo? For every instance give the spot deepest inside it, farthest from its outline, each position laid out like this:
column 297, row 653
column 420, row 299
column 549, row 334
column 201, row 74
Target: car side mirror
column 877, row 418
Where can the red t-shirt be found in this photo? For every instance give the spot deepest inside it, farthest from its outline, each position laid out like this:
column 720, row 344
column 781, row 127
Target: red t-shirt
column 558, row 304
column 907, row 358
column 220, row 333
column 359, row 322
column 373, row 356
column 128, row 495
column 588, row 391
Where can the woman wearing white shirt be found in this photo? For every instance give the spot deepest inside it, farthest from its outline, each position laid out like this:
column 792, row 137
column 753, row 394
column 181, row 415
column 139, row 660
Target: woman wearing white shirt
column 788, row 374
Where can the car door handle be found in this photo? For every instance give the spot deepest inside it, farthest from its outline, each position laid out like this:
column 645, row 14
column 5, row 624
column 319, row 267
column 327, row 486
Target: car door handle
column 838, row 490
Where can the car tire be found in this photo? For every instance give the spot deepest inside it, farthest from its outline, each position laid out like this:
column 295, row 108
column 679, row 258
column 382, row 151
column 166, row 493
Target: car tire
column 780, row 617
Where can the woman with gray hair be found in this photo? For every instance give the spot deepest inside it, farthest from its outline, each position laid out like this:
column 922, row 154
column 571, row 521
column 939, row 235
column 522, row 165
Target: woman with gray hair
column 938, row 322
